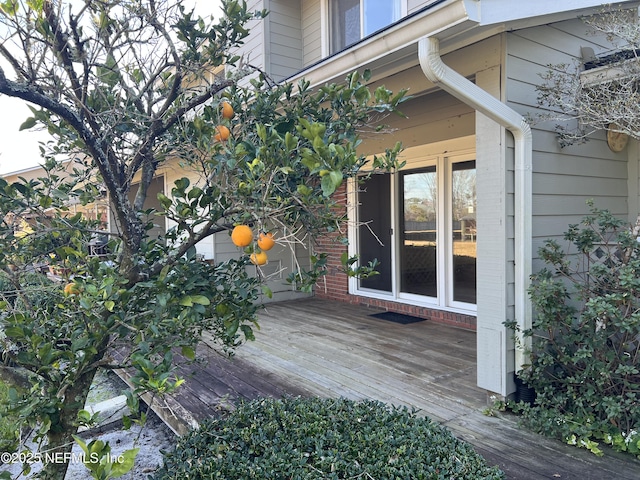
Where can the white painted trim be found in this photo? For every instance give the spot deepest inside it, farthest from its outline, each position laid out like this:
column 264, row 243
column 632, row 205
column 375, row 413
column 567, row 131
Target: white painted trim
column 325, row 35
column 449, row 80
column 352, row 225
column 448, row 162
column 633, row 180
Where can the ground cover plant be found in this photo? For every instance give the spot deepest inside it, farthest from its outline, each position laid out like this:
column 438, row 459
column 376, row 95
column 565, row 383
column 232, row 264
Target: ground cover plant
column 322, row 439
column 585, row 356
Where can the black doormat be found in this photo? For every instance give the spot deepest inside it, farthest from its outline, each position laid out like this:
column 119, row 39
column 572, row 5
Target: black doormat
column 397, row 317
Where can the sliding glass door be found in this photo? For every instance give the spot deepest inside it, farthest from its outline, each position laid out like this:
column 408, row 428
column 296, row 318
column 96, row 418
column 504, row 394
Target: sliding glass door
column 421, row 226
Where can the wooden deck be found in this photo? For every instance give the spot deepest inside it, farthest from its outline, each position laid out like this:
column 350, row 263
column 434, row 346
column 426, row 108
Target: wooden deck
column 329, row 349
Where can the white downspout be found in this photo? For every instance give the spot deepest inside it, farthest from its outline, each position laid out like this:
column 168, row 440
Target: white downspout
column 469, row 93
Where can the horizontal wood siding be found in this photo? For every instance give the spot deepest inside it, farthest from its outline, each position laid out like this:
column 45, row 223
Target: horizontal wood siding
column 284, row 38
column 253, row 49
column 429, row 119
column 563, row 178
column 433, row 116
column 311, row 32
column 415, row 5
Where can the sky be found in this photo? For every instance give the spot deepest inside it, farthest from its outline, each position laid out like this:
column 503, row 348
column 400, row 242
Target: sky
column 19, row 150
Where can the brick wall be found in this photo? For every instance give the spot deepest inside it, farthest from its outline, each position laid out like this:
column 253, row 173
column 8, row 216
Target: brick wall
column 335, row 285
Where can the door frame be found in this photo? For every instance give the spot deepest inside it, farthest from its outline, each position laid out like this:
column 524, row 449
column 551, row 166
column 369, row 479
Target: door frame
column 441, row 154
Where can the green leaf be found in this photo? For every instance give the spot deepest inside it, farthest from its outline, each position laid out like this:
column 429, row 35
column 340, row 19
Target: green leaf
column 331, row 182
column 188, row 352
column 14, row 332
column 45, row 426
column 28, row 123
column 164, row 272
column 290, row 141
column 124, row 462
column 261, row 130
column 200, row 299
column 304, row 190
column 195, row 192
column 186, row 301
column 10, row 7
column 82, row 444
column 84, row 416
column 181, row 185
column 164, row 201
column 109, row 305
column 222, row 309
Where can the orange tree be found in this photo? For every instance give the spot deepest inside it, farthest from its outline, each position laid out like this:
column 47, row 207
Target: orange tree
column 123, row 87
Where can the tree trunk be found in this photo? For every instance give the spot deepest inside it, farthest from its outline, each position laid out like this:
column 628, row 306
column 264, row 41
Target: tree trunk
column 60, row 436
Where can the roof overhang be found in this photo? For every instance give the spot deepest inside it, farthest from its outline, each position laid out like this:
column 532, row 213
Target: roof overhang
column 394, row 45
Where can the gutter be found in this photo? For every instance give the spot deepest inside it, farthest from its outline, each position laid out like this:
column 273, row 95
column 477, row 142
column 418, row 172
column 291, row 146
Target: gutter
column 469, row 93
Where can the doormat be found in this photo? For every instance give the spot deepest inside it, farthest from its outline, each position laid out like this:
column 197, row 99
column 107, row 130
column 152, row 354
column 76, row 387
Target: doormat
column 397, row 317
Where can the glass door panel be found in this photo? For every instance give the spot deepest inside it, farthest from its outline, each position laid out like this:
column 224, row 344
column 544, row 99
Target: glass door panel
column 418, row 232
column 374, row 229
column 463, row 216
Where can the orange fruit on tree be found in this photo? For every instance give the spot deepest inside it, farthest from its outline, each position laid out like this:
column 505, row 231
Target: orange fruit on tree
column 266, row 241
column 71, row 289
column 223, row 133
column 258, row 258
column 227, row 110
column 242, row 235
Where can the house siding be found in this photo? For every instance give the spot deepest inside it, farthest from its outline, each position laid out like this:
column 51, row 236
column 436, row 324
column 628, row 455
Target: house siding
column 253, row 48
column 283, row 38
column 563, row 178
column 415, row 5
column 311, row 22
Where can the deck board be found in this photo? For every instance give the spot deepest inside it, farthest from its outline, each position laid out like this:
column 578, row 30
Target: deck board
column 313, row 347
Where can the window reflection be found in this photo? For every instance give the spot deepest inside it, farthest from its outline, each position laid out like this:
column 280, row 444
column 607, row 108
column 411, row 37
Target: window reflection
column 418, row 247
column 352, row 20
column 463, row 212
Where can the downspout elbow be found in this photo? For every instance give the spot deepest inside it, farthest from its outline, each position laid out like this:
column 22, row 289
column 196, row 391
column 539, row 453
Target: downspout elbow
column 432, row 65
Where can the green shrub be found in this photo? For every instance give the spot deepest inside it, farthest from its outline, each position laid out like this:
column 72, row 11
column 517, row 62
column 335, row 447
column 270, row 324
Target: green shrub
column 322, row 439
column 586, row 337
